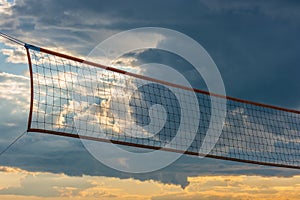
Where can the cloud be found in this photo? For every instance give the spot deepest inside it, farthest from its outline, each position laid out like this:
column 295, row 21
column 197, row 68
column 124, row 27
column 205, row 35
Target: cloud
column 43, row 185
column 10, row 169
column 237, row 187
column 14, row 100
column 15, row 56
column 276, row 9
column 5, row 7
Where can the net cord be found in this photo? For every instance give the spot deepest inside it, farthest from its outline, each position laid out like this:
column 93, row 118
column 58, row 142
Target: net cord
column 12, row 39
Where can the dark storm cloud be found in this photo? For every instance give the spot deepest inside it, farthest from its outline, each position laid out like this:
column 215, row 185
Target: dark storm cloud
column 255, row 44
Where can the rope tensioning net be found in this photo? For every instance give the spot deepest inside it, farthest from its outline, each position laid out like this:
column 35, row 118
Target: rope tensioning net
column 80, row 99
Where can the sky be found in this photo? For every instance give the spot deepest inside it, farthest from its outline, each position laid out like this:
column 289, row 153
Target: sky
column 255, row 45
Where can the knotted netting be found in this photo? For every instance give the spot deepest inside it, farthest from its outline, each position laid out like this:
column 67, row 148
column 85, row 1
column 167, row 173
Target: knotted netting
column 86, row 100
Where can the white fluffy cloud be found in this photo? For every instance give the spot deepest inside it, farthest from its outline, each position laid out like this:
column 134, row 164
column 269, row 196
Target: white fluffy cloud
column 14, row 98
column 5, row 7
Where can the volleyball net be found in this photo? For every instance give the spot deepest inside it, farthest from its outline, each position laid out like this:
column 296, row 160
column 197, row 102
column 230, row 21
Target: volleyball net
column 80, row 99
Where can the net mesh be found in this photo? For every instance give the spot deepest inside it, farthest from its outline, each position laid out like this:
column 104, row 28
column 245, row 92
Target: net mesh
column 77, row 99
